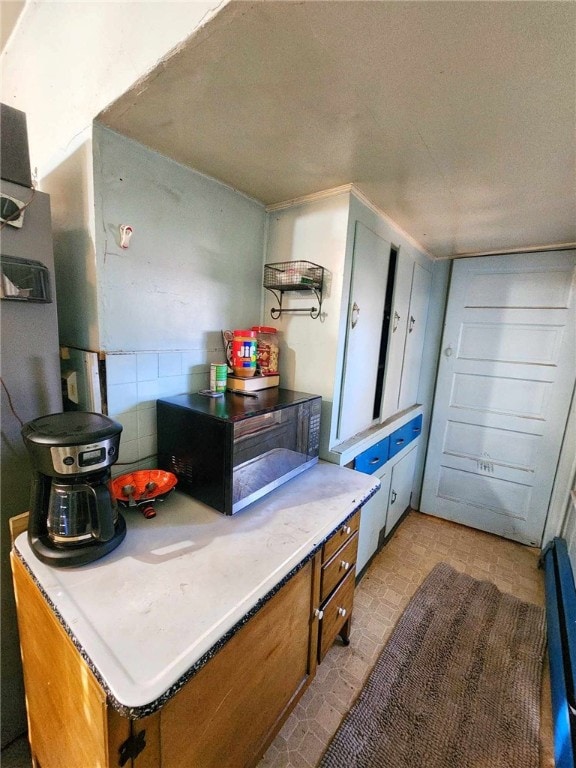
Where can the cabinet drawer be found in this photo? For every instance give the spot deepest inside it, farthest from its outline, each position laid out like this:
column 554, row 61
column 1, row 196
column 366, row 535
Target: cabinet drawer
column 337, row 611
column 336, row 568
column 341, row 536
column 372, row 458
column 403, row 436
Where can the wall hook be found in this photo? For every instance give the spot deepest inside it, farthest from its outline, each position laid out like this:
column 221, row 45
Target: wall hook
column 125, row 235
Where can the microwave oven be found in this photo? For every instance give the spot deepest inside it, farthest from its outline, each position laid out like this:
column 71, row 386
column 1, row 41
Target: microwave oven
column 231, row 450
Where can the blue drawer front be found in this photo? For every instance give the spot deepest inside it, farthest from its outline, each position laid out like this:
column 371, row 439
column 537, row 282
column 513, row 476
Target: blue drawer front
column 372, row 458
column 401, row 437
column 416, row 426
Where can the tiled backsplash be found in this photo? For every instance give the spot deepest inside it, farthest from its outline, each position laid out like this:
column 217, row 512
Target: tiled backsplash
column 135, row 381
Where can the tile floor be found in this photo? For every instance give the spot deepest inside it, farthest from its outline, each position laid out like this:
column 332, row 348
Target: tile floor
column 419, row 543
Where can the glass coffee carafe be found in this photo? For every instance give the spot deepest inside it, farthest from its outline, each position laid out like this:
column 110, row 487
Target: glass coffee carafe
column 79, row 512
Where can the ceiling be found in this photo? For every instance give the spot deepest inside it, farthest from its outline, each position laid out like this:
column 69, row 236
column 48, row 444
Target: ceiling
column 455, row 119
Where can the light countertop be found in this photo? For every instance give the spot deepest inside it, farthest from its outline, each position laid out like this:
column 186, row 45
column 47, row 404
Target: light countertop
column 149, row 613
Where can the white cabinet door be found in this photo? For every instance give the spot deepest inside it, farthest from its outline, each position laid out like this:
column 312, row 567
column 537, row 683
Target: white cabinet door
column 401, row 488
column 365, row 314
column 373, row 520
column 397, row 336
column 415, row 333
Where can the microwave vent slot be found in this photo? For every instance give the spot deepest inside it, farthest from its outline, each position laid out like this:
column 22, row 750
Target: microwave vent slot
column 181, row 468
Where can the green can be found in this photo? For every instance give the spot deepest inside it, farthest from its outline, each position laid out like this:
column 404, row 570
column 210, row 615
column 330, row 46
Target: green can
column 218, row 377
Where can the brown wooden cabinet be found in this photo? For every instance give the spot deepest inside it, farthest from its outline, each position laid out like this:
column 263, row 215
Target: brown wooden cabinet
column 337, row 584
column 226, row 714
column 237, row 702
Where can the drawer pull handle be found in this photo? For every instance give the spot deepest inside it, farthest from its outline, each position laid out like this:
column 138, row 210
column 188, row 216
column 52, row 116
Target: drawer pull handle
column 344, row 565
column 375, row 461
column 341, row 611
column 347, row 530
column 416, row 429
column 400, row 441
column 319, row 614
column 394, row 496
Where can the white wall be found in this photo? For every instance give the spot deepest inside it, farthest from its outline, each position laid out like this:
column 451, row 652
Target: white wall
column 314, row 231
column 193, row 268
column 194, row 262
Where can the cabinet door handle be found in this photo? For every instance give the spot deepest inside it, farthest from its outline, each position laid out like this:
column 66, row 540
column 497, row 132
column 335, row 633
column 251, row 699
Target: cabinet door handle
column 319, row 614
column 394, row 497
column 395, row 321
column 342, row 611
column 344, row 565
column 355, row 308
column 347, row 530
column 412, row 323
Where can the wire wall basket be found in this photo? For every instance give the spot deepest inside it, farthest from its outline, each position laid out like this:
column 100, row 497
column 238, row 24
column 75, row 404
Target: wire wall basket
column 301, row 276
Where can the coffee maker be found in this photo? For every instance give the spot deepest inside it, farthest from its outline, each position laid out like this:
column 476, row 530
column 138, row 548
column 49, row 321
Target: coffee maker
column 74, row 518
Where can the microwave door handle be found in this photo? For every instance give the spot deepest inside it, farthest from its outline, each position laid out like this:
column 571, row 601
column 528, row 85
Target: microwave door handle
column 257, row 433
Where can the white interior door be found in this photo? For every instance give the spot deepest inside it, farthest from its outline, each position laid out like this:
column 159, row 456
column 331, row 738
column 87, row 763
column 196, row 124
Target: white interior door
column 505, row 381
column 365, row 314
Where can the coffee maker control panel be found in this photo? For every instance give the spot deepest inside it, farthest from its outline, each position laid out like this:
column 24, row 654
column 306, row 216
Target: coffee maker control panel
column 77, row 459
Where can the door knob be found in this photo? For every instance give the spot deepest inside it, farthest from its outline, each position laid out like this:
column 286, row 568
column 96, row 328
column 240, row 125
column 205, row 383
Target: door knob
column 448, row 351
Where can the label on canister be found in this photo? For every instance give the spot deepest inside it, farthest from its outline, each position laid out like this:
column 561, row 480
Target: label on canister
column 218, row 377
column 244, row 355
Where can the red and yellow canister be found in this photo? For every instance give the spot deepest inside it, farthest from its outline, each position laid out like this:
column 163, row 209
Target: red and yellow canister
column 244, row 353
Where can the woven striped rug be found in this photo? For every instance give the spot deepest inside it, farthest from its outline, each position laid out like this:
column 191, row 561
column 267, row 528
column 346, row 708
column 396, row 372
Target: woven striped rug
column 456, row 686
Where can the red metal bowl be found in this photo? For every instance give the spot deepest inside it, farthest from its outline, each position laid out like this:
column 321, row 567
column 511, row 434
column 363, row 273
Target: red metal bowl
column 147, row 487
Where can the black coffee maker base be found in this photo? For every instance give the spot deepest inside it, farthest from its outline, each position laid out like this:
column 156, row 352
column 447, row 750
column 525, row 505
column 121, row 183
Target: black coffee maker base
column 82, row 554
